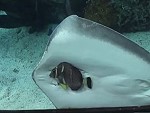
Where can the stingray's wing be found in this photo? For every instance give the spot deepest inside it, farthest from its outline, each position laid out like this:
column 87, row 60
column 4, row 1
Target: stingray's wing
column 114, row 63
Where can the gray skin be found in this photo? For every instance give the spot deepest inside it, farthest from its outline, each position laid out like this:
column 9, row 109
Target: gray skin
column 68, row 74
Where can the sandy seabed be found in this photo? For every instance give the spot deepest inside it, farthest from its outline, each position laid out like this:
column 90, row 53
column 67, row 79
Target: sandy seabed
column 19, row 54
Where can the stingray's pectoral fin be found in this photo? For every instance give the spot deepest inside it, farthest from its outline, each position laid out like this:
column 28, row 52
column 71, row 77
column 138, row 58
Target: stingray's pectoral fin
column 88, row 82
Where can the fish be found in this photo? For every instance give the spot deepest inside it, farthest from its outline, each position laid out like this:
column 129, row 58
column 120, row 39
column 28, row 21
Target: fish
column 118, row 67
column 69, row 76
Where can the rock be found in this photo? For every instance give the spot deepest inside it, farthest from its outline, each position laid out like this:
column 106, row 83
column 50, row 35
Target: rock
column 123, row 16
column 102, row 12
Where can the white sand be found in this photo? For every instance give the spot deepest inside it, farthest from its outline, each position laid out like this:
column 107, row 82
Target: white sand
column 19, row 54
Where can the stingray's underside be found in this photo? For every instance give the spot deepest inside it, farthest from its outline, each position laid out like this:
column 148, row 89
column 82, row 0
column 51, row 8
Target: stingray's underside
column 119, row 68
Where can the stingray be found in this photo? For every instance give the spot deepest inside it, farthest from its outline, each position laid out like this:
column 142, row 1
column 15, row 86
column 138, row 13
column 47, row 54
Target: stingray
column 119, row 68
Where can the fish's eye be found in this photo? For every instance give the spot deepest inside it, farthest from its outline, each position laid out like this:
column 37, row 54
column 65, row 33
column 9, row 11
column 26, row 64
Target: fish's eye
column 53, row 72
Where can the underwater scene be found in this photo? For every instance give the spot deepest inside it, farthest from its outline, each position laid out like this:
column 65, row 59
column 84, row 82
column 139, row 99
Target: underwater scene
column 75, row 54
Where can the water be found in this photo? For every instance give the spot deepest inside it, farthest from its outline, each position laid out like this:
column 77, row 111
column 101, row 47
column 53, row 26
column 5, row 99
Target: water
column 21, row 51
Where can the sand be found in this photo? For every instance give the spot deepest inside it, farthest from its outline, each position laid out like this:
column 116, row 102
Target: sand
column 19, row 54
